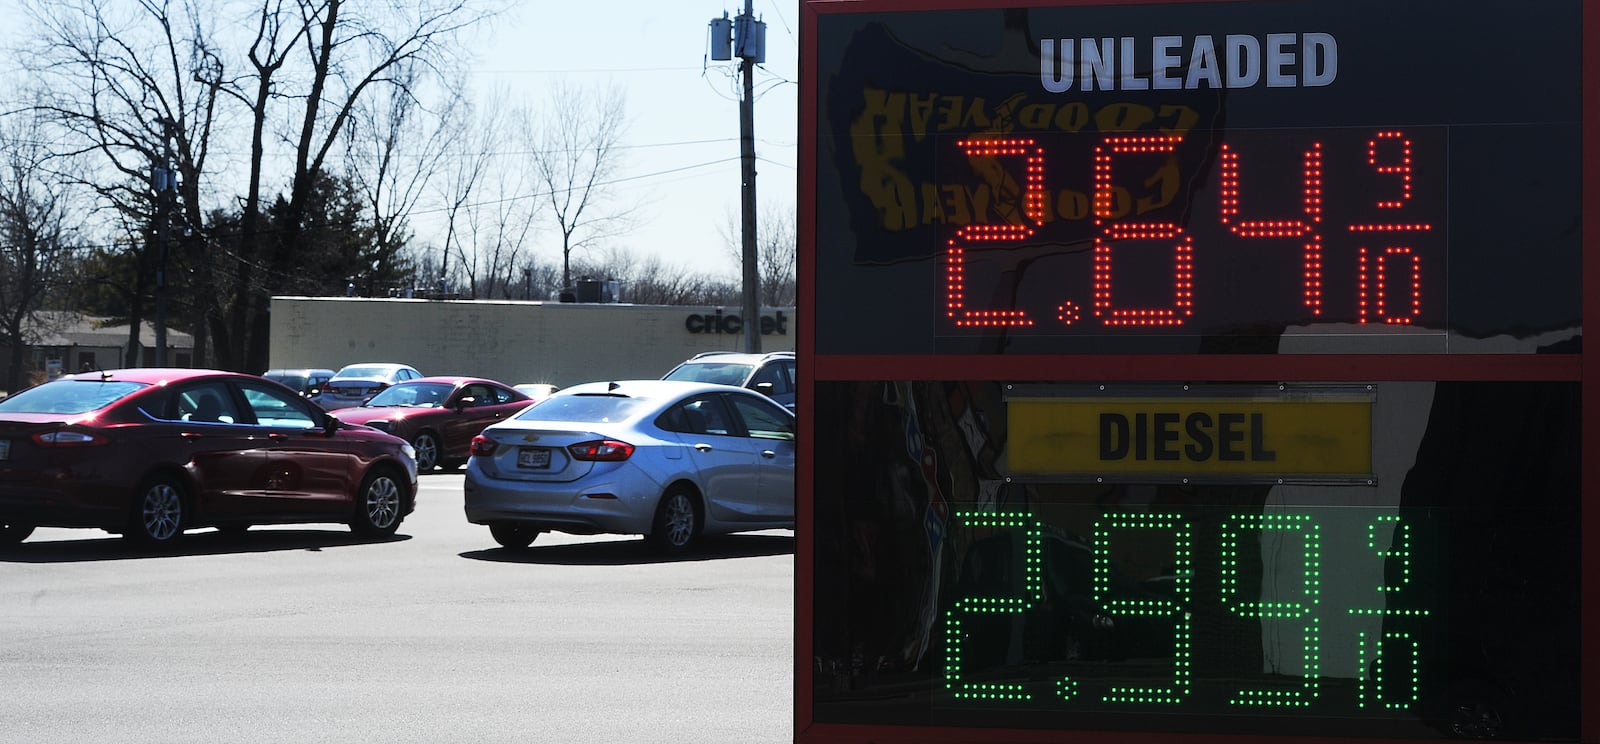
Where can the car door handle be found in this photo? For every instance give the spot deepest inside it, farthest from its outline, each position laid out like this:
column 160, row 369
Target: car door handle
column 703, row 447
column 769, row 454
column 275, row 437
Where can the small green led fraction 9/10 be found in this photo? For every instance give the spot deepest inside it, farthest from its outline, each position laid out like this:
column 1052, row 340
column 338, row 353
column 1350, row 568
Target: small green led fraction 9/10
column 1392, row 669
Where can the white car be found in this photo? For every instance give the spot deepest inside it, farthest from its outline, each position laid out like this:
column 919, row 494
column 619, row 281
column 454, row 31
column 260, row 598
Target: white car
column 353, row 384
column 666, row 459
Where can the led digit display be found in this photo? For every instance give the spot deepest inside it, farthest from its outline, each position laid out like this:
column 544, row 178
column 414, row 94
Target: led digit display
column 1195, row 370
column 1206, row 232
column 1436, row 599
column 1263, row 177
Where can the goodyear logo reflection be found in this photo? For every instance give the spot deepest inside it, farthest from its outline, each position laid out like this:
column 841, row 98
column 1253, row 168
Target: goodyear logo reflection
column 1216, row 439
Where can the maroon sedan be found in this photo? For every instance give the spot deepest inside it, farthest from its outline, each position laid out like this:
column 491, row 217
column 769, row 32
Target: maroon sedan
column 149, row 453
column 439, row 416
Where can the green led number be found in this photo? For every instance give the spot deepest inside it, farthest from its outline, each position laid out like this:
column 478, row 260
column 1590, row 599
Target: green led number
column 1378, row 684
column 1033, row 591
column 1182, row 636
column 1297, row 610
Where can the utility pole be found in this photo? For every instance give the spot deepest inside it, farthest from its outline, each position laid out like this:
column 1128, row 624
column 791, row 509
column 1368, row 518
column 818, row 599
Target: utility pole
column 165, row 182
column 750, row 45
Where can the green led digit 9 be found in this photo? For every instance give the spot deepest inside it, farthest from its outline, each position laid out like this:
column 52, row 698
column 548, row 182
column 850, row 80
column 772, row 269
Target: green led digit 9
column 1032, row 587
column 1294, row 609
column 1378, row 684
column 1183, row 638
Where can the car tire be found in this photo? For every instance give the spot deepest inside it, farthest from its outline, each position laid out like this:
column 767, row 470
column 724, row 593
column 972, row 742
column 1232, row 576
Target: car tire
column 677, row 522
column 159, row 512
column 379, row 504
column 427, row 448
column 11, row 534
column 514, row 535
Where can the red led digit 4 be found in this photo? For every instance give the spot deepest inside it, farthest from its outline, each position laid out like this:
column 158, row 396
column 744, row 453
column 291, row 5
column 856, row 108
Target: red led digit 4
column 1298, row 227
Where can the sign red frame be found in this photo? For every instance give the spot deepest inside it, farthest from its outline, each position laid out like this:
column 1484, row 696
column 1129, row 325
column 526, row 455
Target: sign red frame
column 1148, row 367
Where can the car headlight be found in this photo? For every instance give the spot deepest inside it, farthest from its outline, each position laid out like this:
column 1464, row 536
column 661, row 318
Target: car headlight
column 380, row 425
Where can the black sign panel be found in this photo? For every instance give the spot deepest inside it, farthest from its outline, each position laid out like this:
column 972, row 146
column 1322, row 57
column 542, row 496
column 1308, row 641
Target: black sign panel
column 1354, row 177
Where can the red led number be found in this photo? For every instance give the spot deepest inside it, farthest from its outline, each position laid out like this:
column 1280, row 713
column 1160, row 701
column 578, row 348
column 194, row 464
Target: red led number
column 1389, row 279
column 955, row 283
column 1389, row 275
column 1302, row 227
column 1105, row 306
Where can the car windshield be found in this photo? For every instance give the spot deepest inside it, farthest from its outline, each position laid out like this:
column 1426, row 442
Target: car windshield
column 366, row 372
column 582, row 408
column 722, row 373
column 69, row 396
column 296, row 382
column 425, row 395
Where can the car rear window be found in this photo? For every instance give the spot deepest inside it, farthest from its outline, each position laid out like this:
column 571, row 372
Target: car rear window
column 382, row 372
column 721, row 374
column 70, row 396
column 584, row 408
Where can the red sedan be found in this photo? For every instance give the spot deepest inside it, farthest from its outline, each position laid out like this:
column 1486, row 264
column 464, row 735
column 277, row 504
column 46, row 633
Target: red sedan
column 439, row 416
column 149, row 453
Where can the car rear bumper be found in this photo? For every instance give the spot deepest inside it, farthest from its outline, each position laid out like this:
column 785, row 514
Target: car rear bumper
column 566, row 507
column 106, row 508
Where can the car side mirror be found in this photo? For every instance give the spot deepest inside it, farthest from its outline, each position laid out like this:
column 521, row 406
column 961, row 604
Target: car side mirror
column 764, row 387
column 330, row 424
column 465, row 402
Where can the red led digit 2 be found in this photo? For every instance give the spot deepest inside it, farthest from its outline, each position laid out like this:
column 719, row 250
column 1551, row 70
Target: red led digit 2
column 955, row 292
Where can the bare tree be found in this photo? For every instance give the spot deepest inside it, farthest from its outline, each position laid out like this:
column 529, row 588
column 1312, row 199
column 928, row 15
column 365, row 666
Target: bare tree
column 499, row 230
column 575, row 152
column 777, row 253
column 34, row 235
column 392, row 148
column 342, row 52
column 128, row 84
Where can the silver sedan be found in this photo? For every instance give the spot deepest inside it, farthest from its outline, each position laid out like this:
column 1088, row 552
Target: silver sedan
column 665, row 459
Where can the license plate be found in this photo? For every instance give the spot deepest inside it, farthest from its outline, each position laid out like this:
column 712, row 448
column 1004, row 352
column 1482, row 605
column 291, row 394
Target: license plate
column 5, row 449
column 533, row 458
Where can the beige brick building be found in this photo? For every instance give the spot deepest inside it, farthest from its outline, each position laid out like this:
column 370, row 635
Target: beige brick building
column 511, row 341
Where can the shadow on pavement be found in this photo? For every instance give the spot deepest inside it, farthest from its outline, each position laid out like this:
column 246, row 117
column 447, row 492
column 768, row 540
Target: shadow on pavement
column 205, row 542
column 630, row 552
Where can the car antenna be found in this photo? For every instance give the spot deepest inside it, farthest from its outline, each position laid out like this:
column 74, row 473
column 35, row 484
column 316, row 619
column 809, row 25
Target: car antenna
column 612, row 386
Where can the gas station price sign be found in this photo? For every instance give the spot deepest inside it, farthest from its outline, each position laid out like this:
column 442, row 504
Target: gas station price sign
column 1196, row 370
column 1181, row 177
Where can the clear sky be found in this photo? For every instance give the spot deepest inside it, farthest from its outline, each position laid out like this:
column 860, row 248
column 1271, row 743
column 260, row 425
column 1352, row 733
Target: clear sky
column 681, row 154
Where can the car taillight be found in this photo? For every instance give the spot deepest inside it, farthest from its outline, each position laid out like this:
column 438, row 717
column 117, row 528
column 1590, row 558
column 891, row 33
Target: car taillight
column 482, row 446
column 69, row 439
column 601, row 450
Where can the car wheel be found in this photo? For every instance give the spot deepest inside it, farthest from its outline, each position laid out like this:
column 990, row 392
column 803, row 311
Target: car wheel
column 513, row 536
column 677, row 522
column 158, row 512
column 11, row 534
column 427, row 447
column 378, row 505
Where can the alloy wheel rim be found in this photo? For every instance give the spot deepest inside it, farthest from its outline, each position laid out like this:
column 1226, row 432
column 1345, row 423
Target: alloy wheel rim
column 680, row 519
column 383, row 502
column 426, row 452
column 162, row 512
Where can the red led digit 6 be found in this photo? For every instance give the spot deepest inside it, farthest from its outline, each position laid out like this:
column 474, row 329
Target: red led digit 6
column 1301, row 227
column 955, row 285
column 1182, row 249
